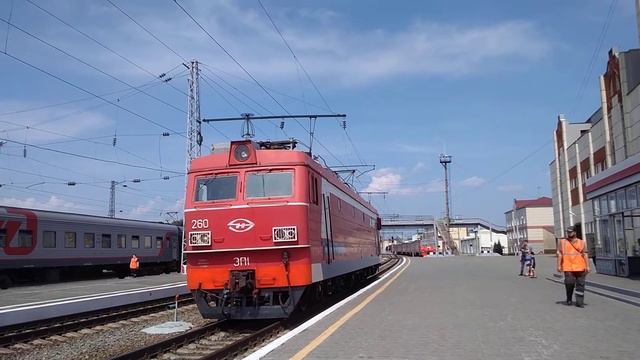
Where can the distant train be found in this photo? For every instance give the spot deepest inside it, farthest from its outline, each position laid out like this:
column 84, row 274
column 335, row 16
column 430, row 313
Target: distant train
column 268, row 226
column 38, row 244
column 412, row 248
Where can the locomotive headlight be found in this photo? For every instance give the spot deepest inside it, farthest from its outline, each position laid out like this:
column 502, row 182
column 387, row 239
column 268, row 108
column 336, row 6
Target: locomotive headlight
column 241, row 152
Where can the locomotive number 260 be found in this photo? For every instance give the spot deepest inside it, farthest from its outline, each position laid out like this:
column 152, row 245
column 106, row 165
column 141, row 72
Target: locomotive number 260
column 200, row 224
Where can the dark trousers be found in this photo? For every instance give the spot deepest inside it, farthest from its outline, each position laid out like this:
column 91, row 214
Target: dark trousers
column 575, row 279
column 522, row 265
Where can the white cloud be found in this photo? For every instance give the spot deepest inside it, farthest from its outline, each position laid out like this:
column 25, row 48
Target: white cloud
column 336, row 50
column 54, row 203
column 390, row 181
column 384, row 180
column 511, row 188
column 146, row 209
column 473, row 182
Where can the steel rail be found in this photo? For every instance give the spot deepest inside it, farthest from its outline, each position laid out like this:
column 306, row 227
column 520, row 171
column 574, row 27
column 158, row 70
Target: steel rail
column 18, row 333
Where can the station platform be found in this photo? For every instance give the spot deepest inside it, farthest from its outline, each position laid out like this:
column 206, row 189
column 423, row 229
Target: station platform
column 35, row 302
column 469, row 307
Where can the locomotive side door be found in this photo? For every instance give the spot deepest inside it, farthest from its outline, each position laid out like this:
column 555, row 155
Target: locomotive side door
column 326, row 228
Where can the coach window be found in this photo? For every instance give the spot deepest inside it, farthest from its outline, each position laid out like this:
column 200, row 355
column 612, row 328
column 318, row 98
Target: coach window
column 48, row 239
column 106, row 241
column 121, row 241
column 158, row 242
column 25, row 238
column 89, row 240
column 3, row 237
column 135, row 241
column 70, row 239
column 147, row 241
column 269, row 184
column 216, row 188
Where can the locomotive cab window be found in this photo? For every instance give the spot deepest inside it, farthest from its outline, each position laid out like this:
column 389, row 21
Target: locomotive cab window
column 269, row 184
column 3, row 237
column 216, row 188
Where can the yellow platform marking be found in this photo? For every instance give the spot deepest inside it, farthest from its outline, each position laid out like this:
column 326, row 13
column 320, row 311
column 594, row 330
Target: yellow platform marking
column 320, row 339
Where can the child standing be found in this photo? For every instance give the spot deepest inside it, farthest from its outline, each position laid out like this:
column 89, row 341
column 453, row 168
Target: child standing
column 531, row 268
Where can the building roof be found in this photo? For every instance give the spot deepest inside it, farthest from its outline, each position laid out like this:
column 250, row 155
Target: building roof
column 543, row 201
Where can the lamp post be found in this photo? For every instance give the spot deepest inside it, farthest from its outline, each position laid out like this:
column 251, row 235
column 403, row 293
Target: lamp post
column 445, row 160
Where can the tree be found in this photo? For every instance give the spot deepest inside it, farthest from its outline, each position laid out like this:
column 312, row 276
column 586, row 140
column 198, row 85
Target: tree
column 497, row 248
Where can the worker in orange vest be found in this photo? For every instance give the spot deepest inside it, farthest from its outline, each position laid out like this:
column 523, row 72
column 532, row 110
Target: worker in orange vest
column 134, row 265
column 573, row 260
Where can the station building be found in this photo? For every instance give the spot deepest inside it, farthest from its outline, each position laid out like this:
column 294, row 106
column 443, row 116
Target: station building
column 531, row 220
column 481, row 241
column 595, row 175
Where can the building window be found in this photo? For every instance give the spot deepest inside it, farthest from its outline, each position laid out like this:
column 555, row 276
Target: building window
column 106, row 241
column 135, row 241
column 632, row 201
column 89, row 240
column 612, row 203
column 121, row 241
column 621, row 202
column 604, row 209
column 49, row 239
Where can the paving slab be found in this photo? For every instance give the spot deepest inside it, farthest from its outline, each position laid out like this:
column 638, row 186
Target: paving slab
column 473, row 308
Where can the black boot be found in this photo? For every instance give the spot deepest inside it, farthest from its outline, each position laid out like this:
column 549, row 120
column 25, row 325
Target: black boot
column 569, row 289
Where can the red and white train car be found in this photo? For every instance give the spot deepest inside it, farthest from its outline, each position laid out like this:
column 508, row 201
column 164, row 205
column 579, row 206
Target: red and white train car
column 264, row 223
column 40, row 244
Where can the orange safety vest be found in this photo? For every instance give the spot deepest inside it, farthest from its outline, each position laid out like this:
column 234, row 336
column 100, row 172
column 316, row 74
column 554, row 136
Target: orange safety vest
column 572, row 255
column 133, row 264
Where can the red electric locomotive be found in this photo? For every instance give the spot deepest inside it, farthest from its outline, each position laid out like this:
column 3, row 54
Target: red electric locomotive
column 264, row 223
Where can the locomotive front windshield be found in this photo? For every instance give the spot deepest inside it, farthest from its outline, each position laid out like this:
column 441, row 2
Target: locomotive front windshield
column 215, row 188
column 269, row 184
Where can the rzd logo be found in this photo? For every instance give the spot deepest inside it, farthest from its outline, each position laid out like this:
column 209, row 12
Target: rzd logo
column 240, row 225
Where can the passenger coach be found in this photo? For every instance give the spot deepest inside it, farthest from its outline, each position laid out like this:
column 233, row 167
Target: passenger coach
column 265, row 223
column 38, row 244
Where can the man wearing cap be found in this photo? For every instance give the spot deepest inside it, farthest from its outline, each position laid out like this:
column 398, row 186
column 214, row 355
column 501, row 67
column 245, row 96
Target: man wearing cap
column 573, row 260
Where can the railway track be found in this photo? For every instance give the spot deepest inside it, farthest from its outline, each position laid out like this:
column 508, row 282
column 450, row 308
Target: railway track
column 226, row 339
column 21, row 333
column 217, row 340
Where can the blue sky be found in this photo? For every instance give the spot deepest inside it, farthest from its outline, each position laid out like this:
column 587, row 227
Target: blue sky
column 481, row 81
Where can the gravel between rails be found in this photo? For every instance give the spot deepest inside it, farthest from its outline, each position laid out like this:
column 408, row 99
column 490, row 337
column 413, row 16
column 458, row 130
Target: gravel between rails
column 106, row 341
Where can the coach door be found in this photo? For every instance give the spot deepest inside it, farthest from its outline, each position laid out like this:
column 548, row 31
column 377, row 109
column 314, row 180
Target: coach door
column 327, row 237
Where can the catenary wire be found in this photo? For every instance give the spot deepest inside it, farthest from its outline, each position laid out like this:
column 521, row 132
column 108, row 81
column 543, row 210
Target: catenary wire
column 101, row 44
column 91, row 93
column 93, row 67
